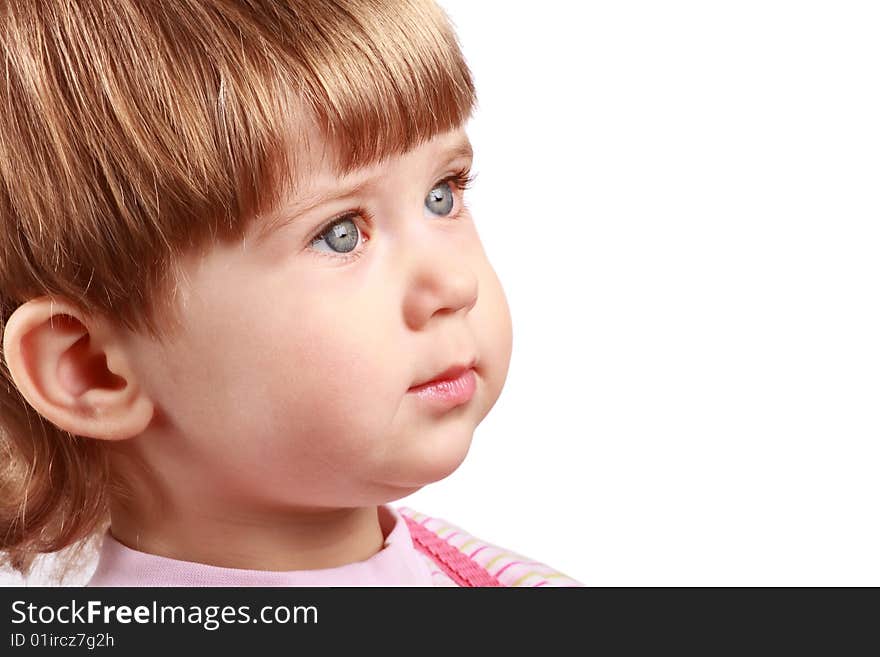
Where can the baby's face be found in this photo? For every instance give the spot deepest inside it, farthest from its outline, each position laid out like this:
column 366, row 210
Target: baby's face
column 290, row 381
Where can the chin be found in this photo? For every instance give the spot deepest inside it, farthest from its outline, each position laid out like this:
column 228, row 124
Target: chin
column 433, row 464
column 442, row 468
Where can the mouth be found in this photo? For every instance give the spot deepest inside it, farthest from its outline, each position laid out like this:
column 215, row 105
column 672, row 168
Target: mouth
column 450, row 374
column 454, row 386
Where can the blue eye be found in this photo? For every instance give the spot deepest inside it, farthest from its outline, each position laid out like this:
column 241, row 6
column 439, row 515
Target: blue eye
column 440, row 199
column 341, row 236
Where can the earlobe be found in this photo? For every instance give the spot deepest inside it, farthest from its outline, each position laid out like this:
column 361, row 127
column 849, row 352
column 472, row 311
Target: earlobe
column 72, row 373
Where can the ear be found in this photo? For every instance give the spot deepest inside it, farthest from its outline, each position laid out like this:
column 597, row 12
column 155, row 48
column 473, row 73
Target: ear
column 73, row 371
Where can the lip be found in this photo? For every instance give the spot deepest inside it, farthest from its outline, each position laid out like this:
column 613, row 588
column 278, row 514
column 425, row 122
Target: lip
column 453, row 386
column 451, row 373
column 448, row 393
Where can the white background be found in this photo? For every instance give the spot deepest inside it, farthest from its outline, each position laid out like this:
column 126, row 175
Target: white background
column 682, row 201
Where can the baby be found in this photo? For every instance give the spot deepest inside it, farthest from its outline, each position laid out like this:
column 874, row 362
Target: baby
column 243, row 304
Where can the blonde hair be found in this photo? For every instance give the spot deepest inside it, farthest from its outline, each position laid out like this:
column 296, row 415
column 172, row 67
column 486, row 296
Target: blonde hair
column 133, row 133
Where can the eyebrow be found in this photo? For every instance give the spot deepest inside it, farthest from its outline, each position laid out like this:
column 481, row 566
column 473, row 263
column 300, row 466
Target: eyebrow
column 460, row 149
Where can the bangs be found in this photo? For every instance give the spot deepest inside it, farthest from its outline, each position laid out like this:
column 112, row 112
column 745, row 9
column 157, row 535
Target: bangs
column 371, row 79
column 370, row 84
column 383, row 84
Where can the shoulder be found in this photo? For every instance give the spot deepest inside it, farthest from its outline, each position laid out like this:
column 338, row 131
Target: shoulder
column 493, row 563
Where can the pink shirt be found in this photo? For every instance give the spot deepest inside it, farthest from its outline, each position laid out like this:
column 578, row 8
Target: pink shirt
column 396, row 564
column 441, row 555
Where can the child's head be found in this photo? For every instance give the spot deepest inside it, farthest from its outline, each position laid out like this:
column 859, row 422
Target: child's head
column 181, row 333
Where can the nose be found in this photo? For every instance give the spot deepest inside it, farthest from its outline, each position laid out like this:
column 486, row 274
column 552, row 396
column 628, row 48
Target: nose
column 442, row 281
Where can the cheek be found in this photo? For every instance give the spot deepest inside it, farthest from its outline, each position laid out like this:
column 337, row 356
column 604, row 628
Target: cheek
column 491, row 322
column 334, row 348
column 309, row 401
column 329, row 375
column 495, row 335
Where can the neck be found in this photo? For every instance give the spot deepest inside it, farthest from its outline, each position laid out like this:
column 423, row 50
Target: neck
column 277, row 540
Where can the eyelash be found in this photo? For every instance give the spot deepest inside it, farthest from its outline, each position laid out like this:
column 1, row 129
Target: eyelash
column 463, row 179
